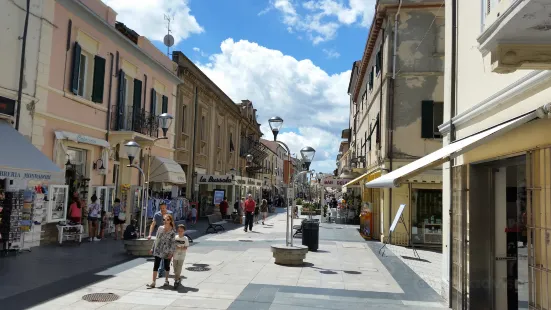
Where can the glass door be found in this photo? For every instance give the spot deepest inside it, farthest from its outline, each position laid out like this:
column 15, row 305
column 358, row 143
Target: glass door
column 57, row 203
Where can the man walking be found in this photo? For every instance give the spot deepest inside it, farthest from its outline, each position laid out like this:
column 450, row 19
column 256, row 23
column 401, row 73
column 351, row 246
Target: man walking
column 158, row 221
column 250, row 206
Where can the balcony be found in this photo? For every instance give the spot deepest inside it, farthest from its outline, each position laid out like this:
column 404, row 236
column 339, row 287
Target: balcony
column 258, row 150
column 345, row 134
column 139, row 121
column 516, row 34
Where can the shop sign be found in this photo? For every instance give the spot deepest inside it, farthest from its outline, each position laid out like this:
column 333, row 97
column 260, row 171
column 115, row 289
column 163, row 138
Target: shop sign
column 81, row 138
column 7, row 106
column 213, row 179
column 333, row 182
column 24, row 175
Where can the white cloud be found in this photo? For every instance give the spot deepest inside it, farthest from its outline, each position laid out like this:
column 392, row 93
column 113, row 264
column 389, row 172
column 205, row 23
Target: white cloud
column 200, row 52
column 146, row 17
column 331, row 53
column 321, row 19
column 311, row 102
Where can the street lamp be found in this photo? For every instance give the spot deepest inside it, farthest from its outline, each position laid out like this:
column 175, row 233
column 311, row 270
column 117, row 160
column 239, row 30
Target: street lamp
column 307, row 154
column 132, row 149
column 276, row 123
column 165, row 120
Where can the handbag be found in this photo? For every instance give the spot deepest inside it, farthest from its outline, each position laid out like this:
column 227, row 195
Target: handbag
column 122, row 216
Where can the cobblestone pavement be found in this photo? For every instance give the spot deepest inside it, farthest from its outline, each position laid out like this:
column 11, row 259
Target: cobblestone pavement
column 235, row 270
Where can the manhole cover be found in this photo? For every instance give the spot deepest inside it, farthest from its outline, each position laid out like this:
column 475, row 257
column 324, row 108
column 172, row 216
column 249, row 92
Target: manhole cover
column 100, row 297
column 198, row 268
column 242, row 240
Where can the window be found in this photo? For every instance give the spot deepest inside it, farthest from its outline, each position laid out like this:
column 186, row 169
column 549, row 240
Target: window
column 183, row 119
column 85, row 82
column 78, row 160
column 432, row 116
column 159, row 104
column 218, row 133
column 371, row 79
column 439, row 36
column 378, row 62
column 82, row 75
column 203, row 128
column 129, row 90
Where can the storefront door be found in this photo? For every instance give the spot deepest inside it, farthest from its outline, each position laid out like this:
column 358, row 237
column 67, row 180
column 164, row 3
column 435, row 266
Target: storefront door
column 510, row 265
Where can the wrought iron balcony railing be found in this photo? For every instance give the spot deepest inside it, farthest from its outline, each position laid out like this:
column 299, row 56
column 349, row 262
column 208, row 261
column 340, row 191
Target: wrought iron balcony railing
column 258, row 150
column 140, row 121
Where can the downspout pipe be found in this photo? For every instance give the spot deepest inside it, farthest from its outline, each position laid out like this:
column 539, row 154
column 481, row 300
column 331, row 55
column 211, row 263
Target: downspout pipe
column 453, row 107
column 391, row 108
column 22, row 65
column 196, row 105
column 108, row 118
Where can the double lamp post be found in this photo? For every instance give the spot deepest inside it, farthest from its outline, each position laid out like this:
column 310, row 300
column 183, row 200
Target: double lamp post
column 132, row 149
column 307, row 153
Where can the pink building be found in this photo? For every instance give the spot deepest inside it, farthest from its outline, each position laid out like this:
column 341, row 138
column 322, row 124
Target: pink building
column 106, row 86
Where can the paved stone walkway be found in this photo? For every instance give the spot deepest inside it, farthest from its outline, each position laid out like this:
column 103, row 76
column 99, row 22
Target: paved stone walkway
column 236, row 270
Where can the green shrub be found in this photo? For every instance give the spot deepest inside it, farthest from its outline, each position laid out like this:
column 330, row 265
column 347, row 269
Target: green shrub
column 299, row 201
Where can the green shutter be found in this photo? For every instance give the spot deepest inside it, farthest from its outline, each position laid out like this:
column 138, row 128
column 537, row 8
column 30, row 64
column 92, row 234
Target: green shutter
column 153, row 104
column 120, row 101
column 99, row 79
column 165, row 105
column 427, row 119
column 75, row 72
column 371, row 79
column 378, row 62
column 137, row 105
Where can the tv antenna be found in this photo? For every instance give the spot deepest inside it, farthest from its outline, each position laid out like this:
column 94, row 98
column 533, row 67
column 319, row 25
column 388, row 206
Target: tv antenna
column 168, row 40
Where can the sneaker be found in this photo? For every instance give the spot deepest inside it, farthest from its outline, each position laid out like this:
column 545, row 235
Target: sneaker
column 167, row 283
column 176, row 284
column 97, row 239
column 245, row 230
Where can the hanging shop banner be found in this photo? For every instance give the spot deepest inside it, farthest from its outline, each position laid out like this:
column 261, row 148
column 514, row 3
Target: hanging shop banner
column 334, row 182
column 215, row 179
column 75, row 137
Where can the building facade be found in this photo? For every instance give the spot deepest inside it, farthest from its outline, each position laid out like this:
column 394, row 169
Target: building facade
column 214, row 135
column 396, row 93
column 274, row 167
column 106, row 86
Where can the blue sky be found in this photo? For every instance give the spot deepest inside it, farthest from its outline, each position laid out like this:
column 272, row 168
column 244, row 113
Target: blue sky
column 291, row 58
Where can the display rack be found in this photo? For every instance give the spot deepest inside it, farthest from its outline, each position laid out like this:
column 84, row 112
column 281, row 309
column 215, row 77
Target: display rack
column 10, row 225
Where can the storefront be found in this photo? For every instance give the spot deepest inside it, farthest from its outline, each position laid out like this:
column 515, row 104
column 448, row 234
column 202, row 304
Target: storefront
column 500, row 223
column 31, row 191
column 86, row 163
column 165, row 178
column 212, row 189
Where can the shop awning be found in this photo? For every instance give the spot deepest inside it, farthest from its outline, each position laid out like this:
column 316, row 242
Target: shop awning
column 166, row 170
column 20, row 159
column 394, row 178
column 75, row 137
column 356, row 182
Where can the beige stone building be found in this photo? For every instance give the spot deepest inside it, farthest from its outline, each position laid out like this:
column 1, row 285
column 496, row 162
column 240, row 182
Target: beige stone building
column 396, row 93
column 224, row 132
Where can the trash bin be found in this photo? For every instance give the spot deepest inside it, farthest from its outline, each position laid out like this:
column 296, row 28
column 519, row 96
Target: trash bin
column 310, row 234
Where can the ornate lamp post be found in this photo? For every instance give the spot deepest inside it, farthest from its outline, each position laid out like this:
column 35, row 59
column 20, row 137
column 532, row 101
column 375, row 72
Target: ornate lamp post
column 165, row 120
column 307, row 154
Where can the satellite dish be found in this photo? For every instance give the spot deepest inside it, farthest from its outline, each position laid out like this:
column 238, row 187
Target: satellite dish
column 168, row 40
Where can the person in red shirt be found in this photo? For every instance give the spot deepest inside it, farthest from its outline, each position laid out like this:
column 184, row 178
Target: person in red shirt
column 224, row 207
column 250, row 205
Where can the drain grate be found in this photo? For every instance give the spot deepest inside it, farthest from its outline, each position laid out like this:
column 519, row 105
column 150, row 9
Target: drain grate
column 243, row 240
column 100, row 297
column 198, row 268
column 352, row 272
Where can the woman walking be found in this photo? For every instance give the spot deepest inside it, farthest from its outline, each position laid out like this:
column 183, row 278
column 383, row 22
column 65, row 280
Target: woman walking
column 94, row 215
column 118, row 218
column 264, row 210
column 163, row 248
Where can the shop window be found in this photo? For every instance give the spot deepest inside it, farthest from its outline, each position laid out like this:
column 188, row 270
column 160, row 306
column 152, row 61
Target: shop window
column 78, row 161
column 426, row 217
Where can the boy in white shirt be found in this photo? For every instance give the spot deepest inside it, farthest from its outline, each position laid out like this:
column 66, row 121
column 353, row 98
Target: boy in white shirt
column 182, row 243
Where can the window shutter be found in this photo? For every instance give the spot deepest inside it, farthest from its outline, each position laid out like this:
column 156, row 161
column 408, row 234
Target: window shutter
column 153, row 104
column 76, row 68
column 378, row 62
column 99, row 79
column 165, row 105
column 137, row 105
column 427, row 119
column 378, row 132
column 120, row 100
column 371, row 79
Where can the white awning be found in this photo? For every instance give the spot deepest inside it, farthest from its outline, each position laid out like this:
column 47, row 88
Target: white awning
column 20, row 159
column 165, row 170
column 394, row 178
column 75, row 137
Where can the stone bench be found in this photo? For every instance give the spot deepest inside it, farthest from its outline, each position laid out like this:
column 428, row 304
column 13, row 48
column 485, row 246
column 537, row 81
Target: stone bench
column 291, row 256
column 215, row 223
